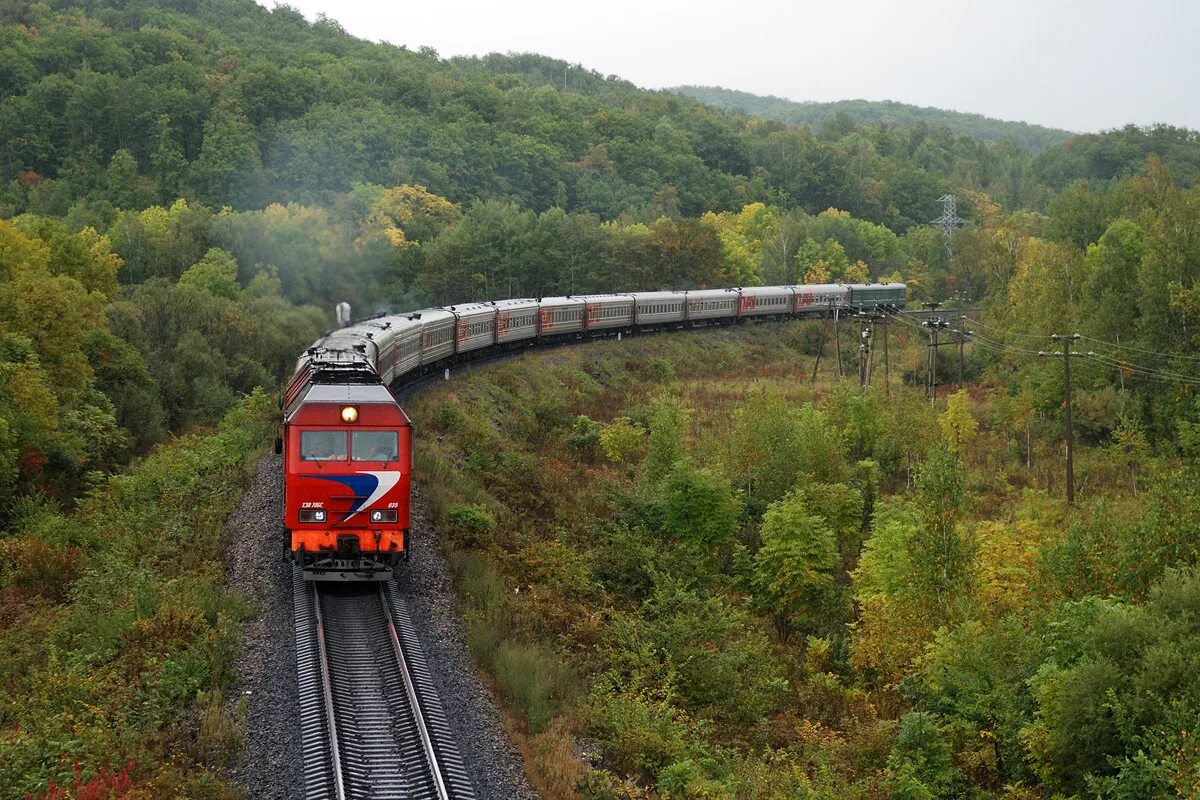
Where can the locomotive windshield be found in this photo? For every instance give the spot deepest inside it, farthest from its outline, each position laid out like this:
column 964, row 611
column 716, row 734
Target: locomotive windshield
column 323, row 445
column 374, row 446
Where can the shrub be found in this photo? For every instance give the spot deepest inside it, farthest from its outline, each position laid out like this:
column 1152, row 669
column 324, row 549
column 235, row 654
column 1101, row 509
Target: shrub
column 622, row 440
column 469, row 524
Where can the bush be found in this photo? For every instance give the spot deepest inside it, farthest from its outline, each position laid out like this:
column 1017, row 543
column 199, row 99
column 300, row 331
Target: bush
column 469, row 524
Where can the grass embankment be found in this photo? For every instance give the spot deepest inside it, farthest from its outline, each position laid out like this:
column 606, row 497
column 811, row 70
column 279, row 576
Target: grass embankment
column 692, row 573
column 118, row 633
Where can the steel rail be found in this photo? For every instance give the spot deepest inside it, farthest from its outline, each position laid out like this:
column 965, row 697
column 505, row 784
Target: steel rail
column 339, row 786
column 418, row 715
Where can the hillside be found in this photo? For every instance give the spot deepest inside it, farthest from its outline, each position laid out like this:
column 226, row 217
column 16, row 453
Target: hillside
column 730, row 581
column 876, row 112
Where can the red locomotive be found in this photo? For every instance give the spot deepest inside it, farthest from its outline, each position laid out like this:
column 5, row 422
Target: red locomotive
column 347, row 449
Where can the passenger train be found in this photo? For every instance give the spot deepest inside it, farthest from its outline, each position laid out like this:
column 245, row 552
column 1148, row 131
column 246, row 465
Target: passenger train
column 347, row 444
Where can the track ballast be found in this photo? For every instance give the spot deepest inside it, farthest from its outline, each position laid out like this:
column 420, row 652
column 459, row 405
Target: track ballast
column 371, row 723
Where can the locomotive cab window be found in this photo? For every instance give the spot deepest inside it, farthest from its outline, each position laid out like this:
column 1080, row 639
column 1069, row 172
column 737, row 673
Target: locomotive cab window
column 373, row 446
column 322, row 445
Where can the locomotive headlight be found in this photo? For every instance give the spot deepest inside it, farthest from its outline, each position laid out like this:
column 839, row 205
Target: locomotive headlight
column 312, row 515
column 383, row 515
column 349, row 414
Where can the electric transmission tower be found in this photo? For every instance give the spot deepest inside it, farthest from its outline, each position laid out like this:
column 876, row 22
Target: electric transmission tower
column 949, row 221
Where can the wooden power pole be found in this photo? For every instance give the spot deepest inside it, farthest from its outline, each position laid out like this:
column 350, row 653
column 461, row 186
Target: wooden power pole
column 1066, row 357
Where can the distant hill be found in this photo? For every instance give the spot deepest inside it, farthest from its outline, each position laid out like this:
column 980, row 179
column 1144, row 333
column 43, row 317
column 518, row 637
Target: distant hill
column 867, row 112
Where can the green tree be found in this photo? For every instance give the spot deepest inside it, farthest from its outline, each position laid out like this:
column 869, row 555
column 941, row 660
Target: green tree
column 919, row 764
column 699, row 507
column 121, row 181
column 229, row 168
column 668, row 426
column 793, row 569
column 216, row 273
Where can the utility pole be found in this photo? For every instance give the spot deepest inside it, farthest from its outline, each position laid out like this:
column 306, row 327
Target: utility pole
column 837, row 340
column 932, row 324
column 963, row 333
column 887, row 376
column 1066, row 356
column 864, row 351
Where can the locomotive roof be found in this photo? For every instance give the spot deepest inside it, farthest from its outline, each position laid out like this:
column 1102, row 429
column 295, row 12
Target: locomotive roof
column 343, row 393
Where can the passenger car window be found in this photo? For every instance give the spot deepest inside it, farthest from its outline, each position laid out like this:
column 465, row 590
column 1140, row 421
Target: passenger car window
column 373, row 446
column 322, row 445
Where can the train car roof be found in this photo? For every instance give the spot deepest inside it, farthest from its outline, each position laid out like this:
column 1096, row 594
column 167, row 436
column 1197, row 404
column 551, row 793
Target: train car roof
column 563, row 301
column 711, row 294
column 603, row 297
column 515, row 302
column 668, row 295
column 427, row 315
column 820, row 287
column 767, row 289
column 471, row 308
column 397, row 322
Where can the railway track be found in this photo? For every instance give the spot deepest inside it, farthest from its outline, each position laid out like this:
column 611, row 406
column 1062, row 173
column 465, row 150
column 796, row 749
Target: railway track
column 371, row 723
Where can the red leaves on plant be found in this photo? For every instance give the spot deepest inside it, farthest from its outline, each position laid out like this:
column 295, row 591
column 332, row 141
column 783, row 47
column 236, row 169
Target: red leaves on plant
column 104, row 785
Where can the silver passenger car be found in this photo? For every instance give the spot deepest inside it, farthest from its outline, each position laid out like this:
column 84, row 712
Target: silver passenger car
column 659, row 308
column 399, row 341
column 476, row 326
column 516, row 320
column 761, row 301
column 438, row 328
column 709, row 304
column 606, row 311
column 820, row 298
column 561, row 315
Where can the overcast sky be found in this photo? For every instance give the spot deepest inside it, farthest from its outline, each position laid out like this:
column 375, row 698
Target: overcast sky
column 1084, row 66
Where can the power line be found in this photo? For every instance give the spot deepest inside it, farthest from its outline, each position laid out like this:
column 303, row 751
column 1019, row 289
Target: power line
column 1000, row 348
column 1114, row 345
column 1141, row 350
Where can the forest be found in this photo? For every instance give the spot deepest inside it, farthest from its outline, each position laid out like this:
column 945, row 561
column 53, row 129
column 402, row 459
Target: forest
column 887, row 112
column 909, row 607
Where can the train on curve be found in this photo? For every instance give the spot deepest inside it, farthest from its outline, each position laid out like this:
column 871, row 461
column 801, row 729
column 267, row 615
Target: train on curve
column 347, row 444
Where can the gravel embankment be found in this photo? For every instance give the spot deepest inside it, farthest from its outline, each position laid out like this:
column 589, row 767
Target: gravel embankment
column 271, row 765
column 255, row 562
